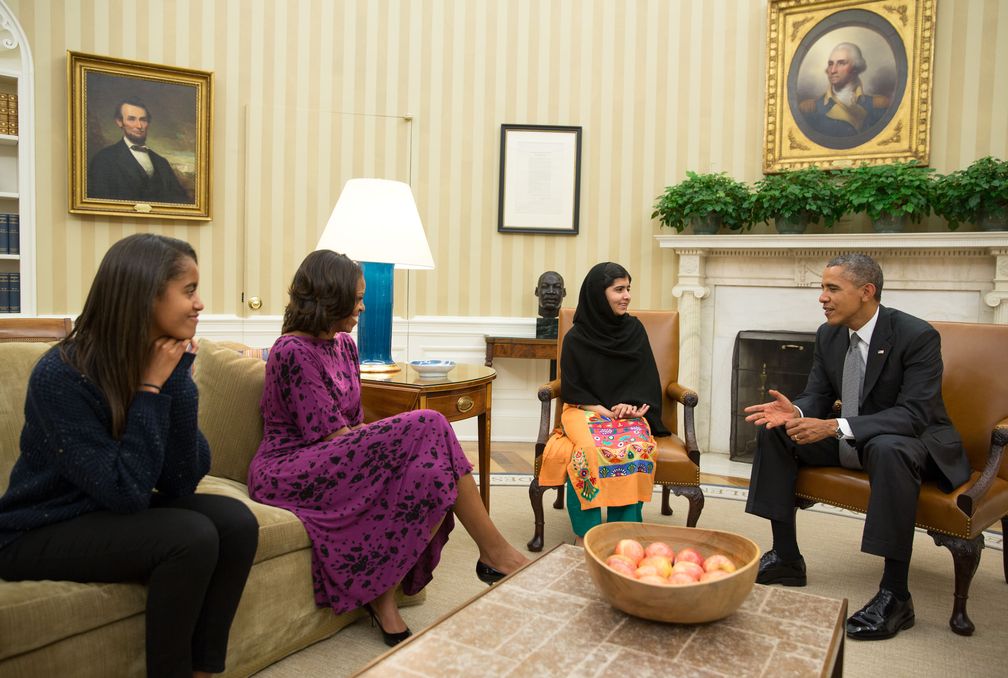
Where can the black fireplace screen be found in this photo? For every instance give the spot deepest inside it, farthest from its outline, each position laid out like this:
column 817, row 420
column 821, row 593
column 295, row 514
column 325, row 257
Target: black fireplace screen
column 761, row 361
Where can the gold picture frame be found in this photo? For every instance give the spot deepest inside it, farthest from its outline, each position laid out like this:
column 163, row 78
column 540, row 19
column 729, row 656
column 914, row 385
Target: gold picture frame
column 833, row 106
column 117, row 107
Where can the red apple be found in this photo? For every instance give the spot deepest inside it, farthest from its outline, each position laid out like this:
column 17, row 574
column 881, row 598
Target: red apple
column 622, row 559
column 654, row 579
column 719, row 561
column 687, row 567
column 630, row 548
column 621, row 564
column 689, row 555
column 660, row 563
column 713, row 575
column 645, row 571
column 659, row 548
column 680, row 579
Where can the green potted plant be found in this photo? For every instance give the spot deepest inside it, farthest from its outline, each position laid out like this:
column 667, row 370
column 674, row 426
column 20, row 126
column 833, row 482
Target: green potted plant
column 891, row 194
column 705, row 201
column 793, row 199
column 977, row 194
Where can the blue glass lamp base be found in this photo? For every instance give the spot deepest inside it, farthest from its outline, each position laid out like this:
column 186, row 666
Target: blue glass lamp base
column 374, row 331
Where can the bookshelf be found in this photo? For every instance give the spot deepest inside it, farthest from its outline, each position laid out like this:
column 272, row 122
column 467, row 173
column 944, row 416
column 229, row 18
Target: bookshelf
column 17, row 174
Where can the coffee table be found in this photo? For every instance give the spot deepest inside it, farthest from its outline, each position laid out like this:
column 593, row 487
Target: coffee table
column 548, row 620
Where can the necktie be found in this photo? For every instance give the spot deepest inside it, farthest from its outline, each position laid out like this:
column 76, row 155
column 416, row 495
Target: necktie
column 142, row 149
column 850, row 394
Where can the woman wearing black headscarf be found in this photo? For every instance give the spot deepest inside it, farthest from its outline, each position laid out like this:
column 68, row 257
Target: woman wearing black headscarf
column 605, row 449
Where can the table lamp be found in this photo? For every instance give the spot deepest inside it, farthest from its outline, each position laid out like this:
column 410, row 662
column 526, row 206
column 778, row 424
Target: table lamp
column 375, row 222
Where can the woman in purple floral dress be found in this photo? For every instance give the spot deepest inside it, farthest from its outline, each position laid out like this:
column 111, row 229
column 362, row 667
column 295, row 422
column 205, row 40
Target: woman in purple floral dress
column 376, row 499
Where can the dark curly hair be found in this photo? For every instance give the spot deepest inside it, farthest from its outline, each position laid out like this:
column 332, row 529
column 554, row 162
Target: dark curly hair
column 323, row 292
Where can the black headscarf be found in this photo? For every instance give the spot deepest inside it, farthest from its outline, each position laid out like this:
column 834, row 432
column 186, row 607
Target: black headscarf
column 606, row 358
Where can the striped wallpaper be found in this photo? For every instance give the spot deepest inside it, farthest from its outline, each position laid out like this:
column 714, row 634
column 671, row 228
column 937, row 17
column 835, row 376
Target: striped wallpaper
column 311, row 92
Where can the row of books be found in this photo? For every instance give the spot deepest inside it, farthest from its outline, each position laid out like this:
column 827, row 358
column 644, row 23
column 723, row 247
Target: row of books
column 8, row 114
column 10, row 234
column 10, row 292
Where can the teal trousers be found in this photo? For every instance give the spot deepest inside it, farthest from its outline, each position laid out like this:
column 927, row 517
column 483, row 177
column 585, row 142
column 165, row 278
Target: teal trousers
column 583, row 520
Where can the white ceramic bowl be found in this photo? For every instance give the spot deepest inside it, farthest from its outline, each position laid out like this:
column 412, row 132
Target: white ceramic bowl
column 432, row 368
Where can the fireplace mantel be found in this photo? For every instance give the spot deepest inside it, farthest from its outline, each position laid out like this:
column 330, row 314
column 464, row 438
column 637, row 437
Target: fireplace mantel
column 731, row 283
column 968, row 240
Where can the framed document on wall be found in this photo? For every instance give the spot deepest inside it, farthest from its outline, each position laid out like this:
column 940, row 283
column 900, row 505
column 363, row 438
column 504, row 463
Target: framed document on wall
column 139, row 138
column 848, row 81
column 540, row 179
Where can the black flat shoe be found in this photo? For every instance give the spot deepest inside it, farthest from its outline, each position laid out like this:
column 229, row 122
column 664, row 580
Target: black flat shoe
column 391, row 639
column 883, row 617
column 774, row 570
column 487, row 574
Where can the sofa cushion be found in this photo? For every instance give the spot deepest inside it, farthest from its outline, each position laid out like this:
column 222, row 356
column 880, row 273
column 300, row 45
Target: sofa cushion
column 280, row 531
column 34, row 614
column 230, row 386
column 17, row 360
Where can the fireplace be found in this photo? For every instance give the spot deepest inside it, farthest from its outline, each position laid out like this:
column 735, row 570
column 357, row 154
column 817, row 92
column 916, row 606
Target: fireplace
column 726, row 284
column 762, row 360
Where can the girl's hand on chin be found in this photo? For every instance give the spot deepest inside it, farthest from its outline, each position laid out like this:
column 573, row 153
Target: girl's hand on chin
column 165, row 354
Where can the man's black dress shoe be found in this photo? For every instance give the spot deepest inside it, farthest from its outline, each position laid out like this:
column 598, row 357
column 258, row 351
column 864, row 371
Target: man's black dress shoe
column 774, row 570
column 391, row 639
column 487, row 574
column 884, row 616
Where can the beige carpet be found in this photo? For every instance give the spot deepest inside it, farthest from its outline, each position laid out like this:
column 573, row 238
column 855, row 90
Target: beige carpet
column 836, row 569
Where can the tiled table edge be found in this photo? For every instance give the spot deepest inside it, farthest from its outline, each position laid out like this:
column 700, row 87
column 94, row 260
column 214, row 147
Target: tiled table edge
column 832, row 654
column 443, row 618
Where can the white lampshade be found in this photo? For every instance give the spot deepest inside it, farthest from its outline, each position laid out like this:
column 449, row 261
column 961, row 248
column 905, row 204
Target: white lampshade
column 376, row 220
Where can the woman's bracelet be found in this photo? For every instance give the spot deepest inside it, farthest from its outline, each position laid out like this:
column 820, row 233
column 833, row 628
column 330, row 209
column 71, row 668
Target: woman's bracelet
column 153, row 386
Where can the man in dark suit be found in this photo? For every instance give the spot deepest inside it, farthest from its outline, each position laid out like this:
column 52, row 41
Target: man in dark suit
column 128, row 170
column 893, row 425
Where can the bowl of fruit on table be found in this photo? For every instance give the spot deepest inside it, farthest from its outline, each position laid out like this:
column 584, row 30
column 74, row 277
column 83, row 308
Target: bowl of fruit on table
column 666, row 573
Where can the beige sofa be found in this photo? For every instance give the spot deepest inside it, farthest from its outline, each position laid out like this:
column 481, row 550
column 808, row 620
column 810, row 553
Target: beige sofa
column 61, row 628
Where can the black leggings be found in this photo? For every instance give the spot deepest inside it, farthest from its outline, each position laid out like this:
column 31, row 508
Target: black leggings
column 193, row 552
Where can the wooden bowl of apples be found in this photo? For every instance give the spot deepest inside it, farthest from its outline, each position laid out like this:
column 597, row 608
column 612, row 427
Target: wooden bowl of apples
column 685, row 575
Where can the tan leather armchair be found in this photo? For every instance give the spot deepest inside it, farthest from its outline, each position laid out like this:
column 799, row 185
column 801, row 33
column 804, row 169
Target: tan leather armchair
column 975, row 390
column 678, row 468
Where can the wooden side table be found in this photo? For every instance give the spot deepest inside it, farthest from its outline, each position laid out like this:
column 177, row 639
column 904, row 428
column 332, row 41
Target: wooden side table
column 463, row 393
column 522, row 347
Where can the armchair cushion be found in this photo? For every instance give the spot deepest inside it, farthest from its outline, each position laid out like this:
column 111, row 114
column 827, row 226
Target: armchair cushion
column 674, row 463
column 936, row 510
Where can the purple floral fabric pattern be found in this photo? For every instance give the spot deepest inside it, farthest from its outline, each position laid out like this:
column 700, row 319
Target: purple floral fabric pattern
column 370, row 498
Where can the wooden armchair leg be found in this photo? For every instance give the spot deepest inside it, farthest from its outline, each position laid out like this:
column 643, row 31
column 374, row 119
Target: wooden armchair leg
column 965, row 560
column 536, row 499
column 558, row 503
column 696, row 502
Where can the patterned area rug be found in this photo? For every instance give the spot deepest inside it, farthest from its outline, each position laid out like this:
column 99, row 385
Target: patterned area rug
column 992, row 538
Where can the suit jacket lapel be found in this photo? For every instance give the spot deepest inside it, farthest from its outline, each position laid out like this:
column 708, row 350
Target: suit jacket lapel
column 878, row 351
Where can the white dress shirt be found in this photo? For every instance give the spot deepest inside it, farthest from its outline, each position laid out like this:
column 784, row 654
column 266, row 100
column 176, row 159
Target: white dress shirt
column 141, row 157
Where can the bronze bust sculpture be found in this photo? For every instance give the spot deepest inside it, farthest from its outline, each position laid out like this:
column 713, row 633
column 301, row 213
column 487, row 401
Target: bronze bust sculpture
column 550, row 292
